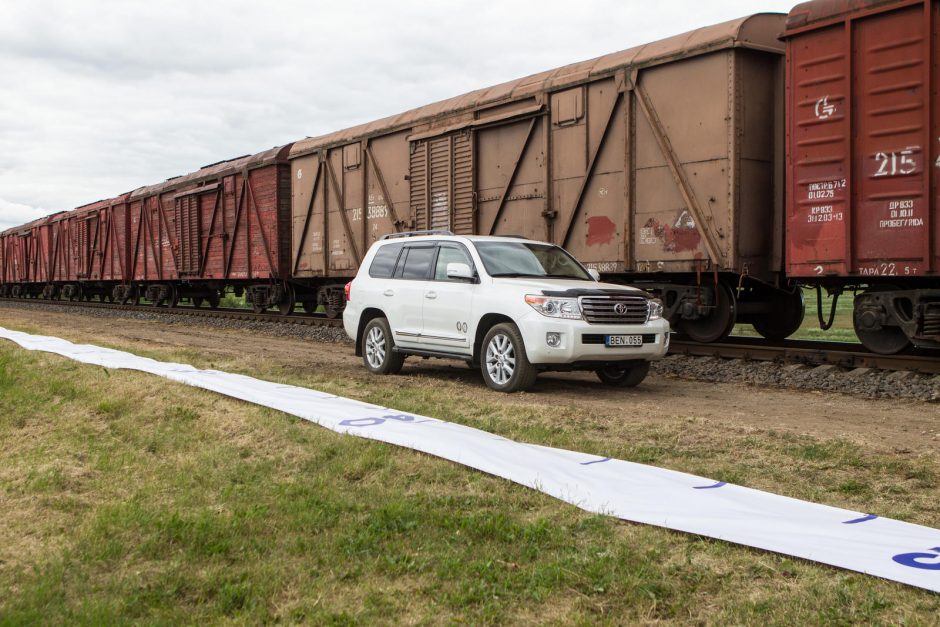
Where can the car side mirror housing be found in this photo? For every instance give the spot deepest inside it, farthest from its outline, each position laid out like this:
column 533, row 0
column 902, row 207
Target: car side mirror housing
column 594, row 274
column 460, row 271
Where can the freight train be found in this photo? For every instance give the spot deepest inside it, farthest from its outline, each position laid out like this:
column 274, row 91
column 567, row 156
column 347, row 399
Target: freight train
column 724, row 169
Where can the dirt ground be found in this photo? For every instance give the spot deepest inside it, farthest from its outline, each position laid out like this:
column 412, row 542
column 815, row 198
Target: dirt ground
column 881, row 425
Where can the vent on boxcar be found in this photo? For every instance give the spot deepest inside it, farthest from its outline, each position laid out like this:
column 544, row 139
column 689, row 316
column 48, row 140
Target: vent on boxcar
column 441, row 176
column 352, row 157
column 568, row 106
column 187, row 233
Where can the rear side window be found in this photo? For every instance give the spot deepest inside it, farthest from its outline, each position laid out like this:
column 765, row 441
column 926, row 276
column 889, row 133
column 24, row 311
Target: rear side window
column 383, row 264
column 416, row 263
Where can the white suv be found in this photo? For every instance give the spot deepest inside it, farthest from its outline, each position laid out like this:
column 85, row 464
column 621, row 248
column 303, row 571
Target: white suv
column 513, row 306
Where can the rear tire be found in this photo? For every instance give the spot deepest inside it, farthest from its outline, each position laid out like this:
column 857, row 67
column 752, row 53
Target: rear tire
column 628, row 377
column 378, row 349
column 504, row 363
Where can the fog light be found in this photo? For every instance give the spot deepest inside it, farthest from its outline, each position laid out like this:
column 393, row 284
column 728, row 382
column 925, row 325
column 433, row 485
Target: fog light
column 553, row 339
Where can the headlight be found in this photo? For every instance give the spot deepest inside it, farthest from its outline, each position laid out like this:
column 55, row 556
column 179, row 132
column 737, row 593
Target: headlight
column 555, row 307
column 655, row 307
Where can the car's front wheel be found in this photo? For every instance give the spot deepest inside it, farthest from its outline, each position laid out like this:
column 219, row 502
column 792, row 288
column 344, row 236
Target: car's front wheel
column 504, row 363
column 378, row 354
column 624, row 376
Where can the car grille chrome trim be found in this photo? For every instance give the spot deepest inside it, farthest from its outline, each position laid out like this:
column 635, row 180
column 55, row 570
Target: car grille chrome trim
column 615, row 309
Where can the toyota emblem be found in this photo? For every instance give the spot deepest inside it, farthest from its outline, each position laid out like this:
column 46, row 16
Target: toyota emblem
column 620, row 308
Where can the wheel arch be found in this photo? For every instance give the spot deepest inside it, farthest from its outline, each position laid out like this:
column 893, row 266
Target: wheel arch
column 368, row 315
column 486, row 323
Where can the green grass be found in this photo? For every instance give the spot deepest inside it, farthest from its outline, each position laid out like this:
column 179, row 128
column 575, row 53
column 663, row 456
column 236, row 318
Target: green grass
column 127, row 498
column 842, row 329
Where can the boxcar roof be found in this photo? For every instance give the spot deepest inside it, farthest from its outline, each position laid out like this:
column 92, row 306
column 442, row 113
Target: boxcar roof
column 760, row 31
column 214, row 171
column 808, row 13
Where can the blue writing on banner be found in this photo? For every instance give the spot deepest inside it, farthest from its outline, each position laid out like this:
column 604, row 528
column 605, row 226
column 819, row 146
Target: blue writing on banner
column 914, row 560
column 372, row 422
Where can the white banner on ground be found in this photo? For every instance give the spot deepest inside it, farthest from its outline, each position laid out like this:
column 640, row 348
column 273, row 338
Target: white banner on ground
column 853, row 540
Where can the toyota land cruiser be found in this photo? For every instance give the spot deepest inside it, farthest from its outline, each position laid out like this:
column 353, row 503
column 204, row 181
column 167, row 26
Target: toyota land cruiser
column 511, row 306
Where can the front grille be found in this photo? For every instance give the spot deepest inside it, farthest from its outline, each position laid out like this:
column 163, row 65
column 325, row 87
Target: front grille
column 602, row 309
column 599, row 338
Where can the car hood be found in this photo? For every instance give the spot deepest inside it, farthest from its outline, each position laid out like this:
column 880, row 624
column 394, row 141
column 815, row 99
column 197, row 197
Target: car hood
column 569, row 288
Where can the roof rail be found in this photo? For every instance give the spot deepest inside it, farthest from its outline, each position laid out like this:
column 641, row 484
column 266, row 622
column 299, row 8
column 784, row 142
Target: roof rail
column 223, row 161
column 415, row 234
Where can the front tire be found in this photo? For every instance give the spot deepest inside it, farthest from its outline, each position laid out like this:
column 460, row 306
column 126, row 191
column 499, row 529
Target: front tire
column 378, row 354
column 628, row 377
column 505, row 366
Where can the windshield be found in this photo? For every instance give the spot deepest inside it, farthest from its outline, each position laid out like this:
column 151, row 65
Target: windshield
column 529, row 259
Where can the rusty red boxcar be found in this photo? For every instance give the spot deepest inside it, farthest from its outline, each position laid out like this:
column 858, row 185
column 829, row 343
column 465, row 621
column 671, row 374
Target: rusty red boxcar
column 226, row 225
column 88, row 253
column 27, row 258
column 862, row 161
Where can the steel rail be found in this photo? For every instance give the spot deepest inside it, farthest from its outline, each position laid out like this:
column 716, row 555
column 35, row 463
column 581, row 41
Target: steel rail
column 227, row 313
column 810, row 353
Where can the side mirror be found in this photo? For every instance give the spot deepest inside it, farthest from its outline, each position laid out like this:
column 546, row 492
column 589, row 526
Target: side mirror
column 459, row 271
column 594, row 274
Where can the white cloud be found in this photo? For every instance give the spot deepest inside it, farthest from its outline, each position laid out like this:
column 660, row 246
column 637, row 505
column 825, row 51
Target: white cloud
column 14, row 214
column 102, row 96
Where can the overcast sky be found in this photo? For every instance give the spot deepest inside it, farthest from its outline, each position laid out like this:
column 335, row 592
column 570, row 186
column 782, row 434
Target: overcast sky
column 100, row 97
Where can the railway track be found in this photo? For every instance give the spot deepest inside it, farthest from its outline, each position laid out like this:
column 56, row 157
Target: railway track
column 811, row 353
column 806, row 352
column 228, row 313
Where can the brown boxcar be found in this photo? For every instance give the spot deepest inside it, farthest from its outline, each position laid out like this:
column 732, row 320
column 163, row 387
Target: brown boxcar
column 661, row 164
column 227, row 225
column 88, row 250
column 862, row 159
column 28, row 262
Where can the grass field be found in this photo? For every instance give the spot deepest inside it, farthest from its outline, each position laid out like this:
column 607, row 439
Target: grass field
column 124, row 497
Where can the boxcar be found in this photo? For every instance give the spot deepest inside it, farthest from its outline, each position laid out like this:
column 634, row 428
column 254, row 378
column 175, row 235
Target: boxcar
column 862, row 162
column 226, row 225
column 661, row 164
column 88, row 255
column 27, row 263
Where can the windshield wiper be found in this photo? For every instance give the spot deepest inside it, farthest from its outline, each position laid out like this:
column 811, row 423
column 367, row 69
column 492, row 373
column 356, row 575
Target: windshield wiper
column 516, row 275
column 565, row 276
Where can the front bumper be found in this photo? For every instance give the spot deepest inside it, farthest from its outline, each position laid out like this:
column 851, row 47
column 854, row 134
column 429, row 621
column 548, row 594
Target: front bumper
column 582, row 342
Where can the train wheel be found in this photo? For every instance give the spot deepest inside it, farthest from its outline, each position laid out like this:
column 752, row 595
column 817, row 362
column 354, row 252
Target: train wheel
column 717, row 325
column 333, row 312
column 785, row 317
column 310, row 306
column 213, row 301
column 173, row 298
column 198, row 301
column 867, row 318
column 884, row 341
column 286, row 306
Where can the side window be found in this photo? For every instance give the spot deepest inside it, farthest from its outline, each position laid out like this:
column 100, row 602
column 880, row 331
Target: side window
column 383, row 264
column 415, row 264
column 450, row 253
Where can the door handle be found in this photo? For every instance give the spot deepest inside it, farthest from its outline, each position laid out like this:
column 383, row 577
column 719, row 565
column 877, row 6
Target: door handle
column 430, row 295
column 389, row 292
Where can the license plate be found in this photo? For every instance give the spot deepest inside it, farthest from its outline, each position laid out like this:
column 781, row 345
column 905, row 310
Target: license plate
column 624, row 340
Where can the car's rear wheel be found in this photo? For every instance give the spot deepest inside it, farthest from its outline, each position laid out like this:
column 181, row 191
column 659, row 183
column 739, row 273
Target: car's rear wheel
column 624, row 377
column 378, row 352
column 504, row 365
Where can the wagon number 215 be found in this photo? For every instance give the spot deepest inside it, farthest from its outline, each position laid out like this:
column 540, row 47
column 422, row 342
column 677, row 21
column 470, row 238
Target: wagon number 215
column 895, row 163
